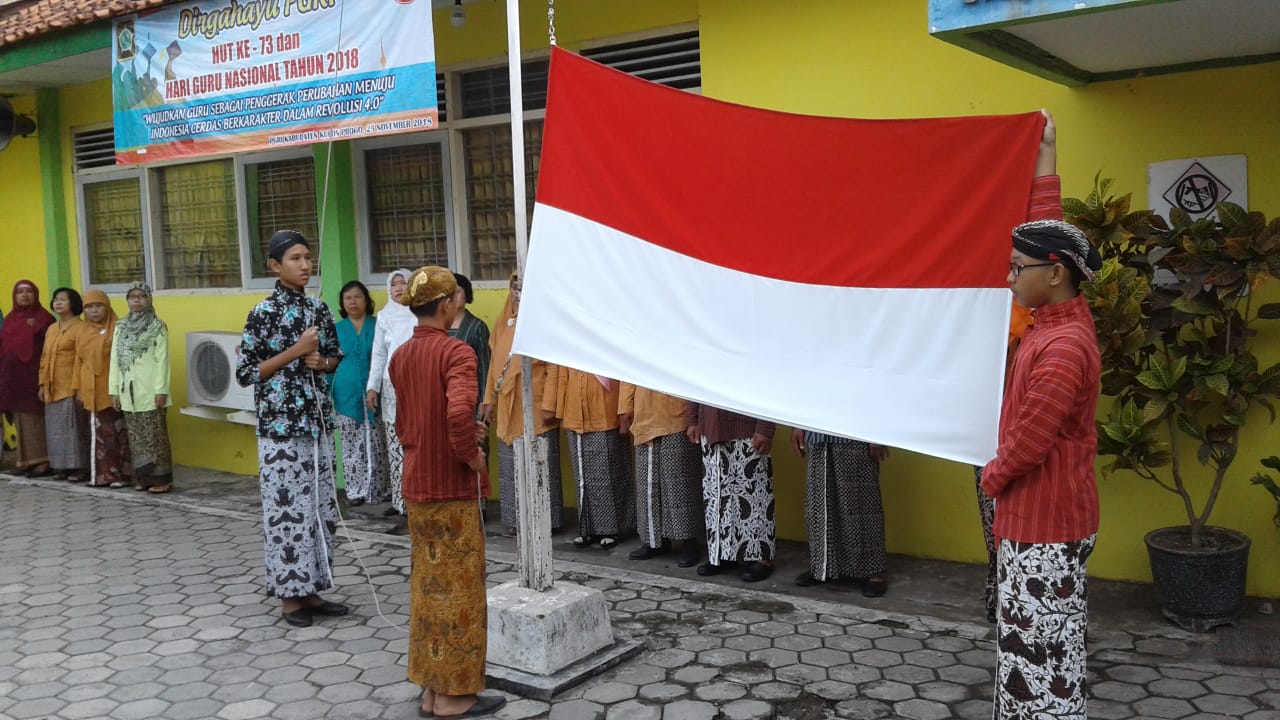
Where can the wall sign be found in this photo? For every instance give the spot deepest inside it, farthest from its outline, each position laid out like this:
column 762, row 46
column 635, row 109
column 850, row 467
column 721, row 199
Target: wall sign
column 219, row 76
column 1197, row 185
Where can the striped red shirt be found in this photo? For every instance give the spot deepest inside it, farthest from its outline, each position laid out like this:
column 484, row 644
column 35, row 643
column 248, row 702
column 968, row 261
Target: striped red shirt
column 434, row 376
column 1042, row 476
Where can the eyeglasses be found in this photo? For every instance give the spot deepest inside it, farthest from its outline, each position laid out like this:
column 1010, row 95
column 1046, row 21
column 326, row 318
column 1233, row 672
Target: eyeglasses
column 1015, row 269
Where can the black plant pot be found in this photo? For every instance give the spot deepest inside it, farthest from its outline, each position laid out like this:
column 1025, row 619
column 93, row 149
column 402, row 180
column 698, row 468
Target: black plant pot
column 1199, row 588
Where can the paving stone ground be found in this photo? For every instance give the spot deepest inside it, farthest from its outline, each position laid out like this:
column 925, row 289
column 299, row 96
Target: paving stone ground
column 114, row 605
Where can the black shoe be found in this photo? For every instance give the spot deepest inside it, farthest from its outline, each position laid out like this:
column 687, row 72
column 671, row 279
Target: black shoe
column 330, row 609
column 807, row 579
column 390, row 512
column 874, row 587
column 755, row 572
column 644, row 552
column 355, row 502
column 707, row 569
column 689, row 556
column 298, row 618
column 583, row 541
column 608, row 542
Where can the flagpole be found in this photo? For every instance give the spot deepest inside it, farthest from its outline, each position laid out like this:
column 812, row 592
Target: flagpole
column 532, row 496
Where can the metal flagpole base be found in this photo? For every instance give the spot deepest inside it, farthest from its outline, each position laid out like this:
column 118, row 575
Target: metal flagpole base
column 542, row 643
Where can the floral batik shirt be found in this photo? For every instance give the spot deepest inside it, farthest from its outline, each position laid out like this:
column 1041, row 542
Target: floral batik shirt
column 292, row 401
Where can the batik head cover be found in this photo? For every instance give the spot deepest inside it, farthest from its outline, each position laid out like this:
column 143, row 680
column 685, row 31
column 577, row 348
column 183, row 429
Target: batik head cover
column 429, row 284
column 280, row 243
column 1057, row 241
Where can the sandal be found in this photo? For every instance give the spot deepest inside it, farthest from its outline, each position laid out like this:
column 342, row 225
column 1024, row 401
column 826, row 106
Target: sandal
column 160, row 489
column 485, row 705
column 608, row 542
column 60, row 475
column 583, row 541
column 117, row 485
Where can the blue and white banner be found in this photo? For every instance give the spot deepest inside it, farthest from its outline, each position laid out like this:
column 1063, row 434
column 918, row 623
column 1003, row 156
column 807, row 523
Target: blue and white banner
column 212, row 77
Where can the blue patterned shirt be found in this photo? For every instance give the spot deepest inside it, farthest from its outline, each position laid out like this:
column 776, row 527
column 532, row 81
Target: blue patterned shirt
column 293, row 399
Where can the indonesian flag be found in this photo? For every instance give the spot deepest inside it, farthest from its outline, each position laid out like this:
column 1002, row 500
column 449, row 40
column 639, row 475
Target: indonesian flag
column 845, row 276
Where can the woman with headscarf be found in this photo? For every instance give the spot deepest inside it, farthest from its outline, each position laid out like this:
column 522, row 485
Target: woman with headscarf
column 111, row 459
column 364, row 467
column 21, row 339
column 394, row 328
column 139, row 387
column 66, row 426
column 503, row 402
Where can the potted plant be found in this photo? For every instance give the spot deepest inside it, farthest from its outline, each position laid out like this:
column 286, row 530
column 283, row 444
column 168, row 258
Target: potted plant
column 1176, row 309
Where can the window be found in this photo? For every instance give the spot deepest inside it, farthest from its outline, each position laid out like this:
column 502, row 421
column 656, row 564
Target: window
column 198, row 240
column 407, row 207
column 280, row 195
column 490, row 209
column 113, row 231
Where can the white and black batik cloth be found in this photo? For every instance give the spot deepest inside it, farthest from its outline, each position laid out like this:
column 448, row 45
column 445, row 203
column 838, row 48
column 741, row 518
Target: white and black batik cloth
column 737, row 494
column 668, row 496
column 1040, row 652
column 395, row 464
column 602, row 472
column 507, row 481
column 364, row 459
column 843, row 510
column 299, row 514
column 987, row 513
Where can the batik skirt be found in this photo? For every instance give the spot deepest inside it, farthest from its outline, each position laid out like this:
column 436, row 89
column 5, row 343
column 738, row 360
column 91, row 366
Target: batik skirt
column 395, row 467
column 33, row 450
column 1040, row 652
column 66, row 431
column 448, row 614
column 507, row 481
column 668, row 490
column 299, row 514
column 987, row 514
column 112, row 461
column 364, row 464
column 149, row 443
column 737, row 494
column 602, row 473
column 844, row 513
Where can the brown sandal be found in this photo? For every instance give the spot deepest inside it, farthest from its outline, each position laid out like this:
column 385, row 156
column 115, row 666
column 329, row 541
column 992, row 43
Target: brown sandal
column 160, row 489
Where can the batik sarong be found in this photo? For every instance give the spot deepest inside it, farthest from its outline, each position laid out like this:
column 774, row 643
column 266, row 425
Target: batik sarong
column 448, row 637
column 737, row 493
column 987, row 513
column 1040, row 652
column 668, row 492
column 507, row 481
column 602, row 473
column 299, row 514
column 364, row 464
column 32, row 446
column 149, row 444
column 66, row 430
column 844, row 513
column 112, row 461
column 395, row 467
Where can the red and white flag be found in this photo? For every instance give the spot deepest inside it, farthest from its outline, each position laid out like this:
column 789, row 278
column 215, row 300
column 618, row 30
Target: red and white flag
column 845, row 276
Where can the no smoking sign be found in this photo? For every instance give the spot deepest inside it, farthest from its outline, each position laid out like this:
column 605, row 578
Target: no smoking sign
column 1197, row 185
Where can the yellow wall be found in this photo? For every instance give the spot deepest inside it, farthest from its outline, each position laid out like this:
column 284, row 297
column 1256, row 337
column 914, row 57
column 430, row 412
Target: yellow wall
column 22, row 237
column 876, row 59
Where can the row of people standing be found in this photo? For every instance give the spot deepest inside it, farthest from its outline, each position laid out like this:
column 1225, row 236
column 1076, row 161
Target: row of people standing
column 86, row 390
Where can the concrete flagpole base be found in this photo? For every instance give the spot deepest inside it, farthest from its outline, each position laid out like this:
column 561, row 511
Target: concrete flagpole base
column 542, row 643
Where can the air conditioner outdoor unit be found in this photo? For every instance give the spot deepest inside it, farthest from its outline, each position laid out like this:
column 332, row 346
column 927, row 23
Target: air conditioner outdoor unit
column 211, row 371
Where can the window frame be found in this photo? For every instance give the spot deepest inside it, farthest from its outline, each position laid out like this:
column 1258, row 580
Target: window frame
column 359, row 167
column 247, row 280
column 95, row 176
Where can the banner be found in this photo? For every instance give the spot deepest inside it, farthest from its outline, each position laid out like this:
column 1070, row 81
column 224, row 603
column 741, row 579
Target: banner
column 204, row 78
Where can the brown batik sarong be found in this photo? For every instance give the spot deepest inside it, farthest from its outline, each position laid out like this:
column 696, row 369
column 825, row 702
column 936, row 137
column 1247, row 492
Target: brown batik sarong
column 32, row 450
column 149, row 444
column 448, row 610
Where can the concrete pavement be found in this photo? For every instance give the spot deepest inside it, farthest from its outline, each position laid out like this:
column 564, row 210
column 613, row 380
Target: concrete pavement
column 115, row 604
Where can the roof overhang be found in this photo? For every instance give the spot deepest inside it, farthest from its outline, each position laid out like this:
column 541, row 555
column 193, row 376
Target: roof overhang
column 1074, row 42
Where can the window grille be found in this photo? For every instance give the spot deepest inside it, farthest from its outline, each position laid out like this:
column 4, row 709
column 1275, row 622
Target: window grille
column 490, row 195
column 440, row 108
column 113, row 231
column 487, row 92
column 94, row 149
column 198, row 241
column 673, row 60
column 282, row 196
column 407, row 207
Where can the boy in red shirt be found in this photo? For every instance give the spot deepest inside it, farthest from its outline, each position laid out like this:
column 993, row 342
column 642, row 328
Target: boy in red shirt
column 1042, row 478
